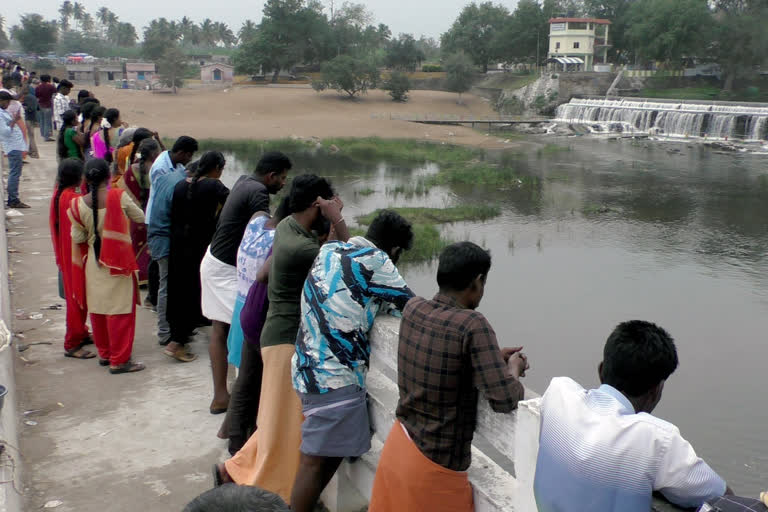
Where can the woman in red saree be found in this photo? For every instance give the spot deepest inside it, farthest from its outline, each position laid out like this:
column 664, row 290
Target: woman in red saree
column 135, row 182
column 70, row 177
column 104, row 266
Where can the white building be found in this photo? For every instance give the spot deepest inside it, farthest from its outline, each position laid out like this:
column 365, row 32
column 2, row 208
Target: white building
column 579, row 44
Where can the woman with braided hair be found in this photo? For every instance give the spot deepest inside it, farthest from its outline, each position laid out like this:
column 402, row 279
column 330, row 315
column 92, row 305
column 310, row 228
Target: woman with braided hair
column 104, row 266
column 195, row 209
column 68, row 183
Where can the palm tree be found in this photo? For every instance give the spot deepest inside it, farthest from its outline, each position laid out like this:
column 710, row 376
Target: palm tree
column 207, row 32
column 226, row 36
column 247, row 31
column 86, row 22
column 187, row 27
column 66, row 12
column 103, row 15
column 78, row 11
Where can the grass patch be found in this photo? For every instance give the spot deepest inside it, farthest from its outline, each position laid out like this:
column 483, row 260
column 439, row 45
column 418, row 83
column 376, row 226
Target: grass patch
column 365, row 192
column 509, row 80
column 440, row 215
column 683, row 93
column 551, row 149
column 595, row 209
column 401, row 150
column 427, row 243
column 247, row 149
column 479, row 174
column 420, row 189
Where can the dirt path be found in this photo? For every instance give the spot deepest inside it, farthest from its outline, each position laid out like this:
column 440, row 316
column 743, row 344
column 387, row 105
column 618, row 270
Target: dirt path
column 272, row 113
column 96, row 441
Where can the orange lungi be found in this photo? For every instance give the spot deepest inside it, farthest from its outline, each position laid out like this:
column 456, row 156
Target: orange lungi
column 270, row 458
column 407, row 480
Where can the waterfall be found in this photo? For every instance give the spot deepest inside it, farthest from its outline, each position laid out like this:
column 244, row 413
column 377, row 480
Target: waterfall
column 640, row 116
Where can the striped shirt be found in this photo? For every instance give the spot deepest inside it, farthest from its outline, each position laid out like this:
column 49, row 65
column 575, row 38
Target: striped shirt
column 346, row 286
column 60, row 105
column 596, row 453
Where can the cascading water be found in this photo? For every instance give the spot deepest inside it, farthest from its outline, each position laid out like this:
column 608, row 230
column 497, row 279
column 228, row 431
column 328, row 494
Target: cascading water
column 721, row 121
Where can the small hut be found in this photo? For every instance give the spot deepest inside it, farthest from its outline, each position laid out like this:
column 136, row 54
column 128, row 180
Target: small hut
column 217, row 73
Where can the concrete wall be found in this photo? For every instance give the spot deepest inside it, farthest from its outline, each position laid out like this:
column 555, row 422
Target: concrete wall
column 207, row 74
column 10, row 458
column 583, row 84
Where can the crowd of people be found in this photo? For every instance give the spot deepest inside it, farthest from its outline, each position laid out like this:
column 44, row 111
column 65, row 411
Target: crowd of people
column 291, row 298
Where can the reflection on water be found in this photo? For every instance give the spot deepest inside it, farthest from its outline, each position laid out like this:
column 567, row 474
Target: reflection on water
column 610, row 231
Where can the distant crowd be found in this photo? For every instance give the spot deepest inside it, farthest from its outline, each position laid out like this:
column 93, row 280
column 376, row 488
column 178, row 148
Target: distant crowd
column 291, row 297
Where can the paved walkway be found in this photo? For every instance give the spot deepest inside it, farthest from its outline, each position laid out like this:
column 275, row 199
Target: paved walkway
column 92, row 440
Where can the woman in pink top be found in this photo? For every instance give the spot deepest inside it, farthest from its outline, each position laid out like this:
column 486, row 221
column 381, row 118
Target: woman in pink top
column 101, row 141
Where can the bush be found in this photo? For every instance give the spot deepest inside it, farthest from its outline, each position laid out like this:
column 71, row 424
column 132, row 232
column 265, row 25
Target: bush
column 351, row 75
column 432, row 68
column 319, row 85
column 398, row 86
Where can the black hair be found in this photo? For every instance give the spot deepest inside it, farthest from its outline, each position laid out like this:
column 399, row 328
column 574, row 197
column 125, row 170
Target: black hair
column 45, row 78
column 70, row 173
column 96, row 113
column 305, row 190
column 86, row 109
column 209, row 161
column 82, row 95
column 460, row 264
column 389, row 230
column 56, row 80
column 184, row 144
column 96, row 173
column 273, row 161
column 637, row 357
column 139, row 135
column 237, row 498
column 68, row 120
column 111, row 115
column 283, row 210
column 64, row 83
column 146, row 147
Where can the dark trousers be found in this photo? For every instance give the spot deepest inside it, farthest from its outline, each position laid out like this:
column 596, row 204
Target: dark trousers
column 244, row 402
column 154, row 282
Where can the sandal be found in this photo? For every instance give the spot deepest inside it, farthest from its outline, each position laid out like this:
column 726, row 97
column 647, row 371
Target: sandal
column 128, row 367
column 103, row 362
column 181, row 354
column 87, row 341
column 79, row 353
column 220, row 475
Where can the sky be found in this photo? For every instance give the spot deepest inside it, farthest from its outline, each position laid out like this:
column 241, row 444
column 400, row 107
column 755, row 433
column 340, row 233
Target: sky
column 428, row 17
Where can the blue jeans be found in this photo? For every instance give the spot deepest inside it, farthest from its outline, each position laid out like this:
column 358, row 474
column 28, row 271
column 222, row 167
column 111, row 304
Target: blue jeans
column 15, row 162
column 46, row 122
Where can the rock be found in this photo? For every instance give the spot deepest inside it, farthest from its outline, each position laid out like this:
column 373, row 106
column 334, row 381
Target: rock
column 53, row 504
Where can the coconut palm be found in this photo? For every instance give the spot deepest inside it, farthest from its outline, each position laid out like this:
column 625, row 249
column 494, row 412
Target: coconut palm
column 208, row 34
column 248, row 31
column 66, row 12
column 188, row 29
column 86, row 22
column 224, row 34
column 103, row 15
column 78, row 11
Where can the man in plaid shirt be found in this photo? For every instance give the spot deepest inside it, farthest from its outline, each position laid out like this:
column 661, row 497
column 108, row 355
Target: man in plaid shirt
column 447, row 353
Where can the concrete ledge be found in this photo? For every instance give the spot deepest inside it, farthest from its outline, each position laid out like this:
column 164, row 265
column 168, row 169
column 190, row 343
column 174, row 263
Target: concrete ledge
column 10, row 457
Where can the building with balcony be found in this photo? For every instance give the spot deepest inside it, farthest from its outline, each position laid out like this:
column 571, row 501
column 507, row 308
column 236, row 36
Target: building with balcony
column 579, row 44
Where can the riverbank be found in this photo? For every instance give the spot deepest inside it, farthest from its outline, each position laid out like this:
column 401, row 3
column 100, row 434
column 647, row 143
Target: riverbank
column 91, row 440
column 274, row 113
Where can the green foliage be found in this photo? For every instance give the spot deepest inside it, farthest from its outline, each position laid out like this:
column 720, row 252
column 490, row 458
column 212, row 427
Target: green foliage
column 523, row 35
column 75, row 42
column 432, row 68
column 478, row 174
column 365, row 192
column 404, row 54
column 398, row 86
column 351, row 75
column 319, row 85
column 402, row 150
column 740, row 38
column 172, row 67
column 476, row 32
column 452, row 214
column 511, row 105
column 3, row 36
column 35, row 34
column 460, row 73
column 427, row 243
column 666, row 31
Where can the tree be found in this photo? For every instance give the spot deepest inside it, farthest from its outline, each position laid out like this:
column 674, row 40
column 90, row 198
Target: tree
column 740, row 38
column 208, row 32
column 86, row 23
column 475, row 33
column 3, row 37
column 350, row 75
column 159, row 35
column 172, row 67
column 460, row 72
column 667, row 31
column 78, row 11
column 398, row 86
column 73, row 41
column 35, row 35
column 525, row 36
column 65, row 12
column 248, row 31
column 224, row 34
column 429, row 47
column 122, row 34
column 404, row 54
column 618, row 12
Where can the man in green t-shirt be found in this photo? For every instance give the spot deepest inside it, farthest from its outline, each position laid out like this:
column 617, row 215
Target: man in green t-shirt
column 270, row 458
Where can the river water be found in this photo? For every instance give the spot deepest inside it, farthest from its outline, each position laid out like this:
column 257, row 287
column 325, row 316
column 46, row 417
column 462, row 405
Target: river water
column 611, row 231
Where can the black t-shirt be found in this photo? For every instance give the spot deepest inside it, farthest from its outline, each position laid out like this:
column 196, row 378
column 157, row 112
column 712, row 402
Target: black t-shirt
column 248, row 196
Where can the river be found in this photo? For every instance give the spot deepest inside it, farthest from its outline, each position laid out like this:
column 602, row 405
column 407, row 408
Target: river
column 673, row 233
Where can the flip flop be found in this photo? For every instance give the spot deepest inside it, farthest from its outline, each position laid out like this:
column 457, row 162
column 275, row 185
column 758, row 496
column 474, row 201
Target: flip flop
column 220, row 410
column 103, row 362
column 84, row 355
column 180, row 355
column 128, row 367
